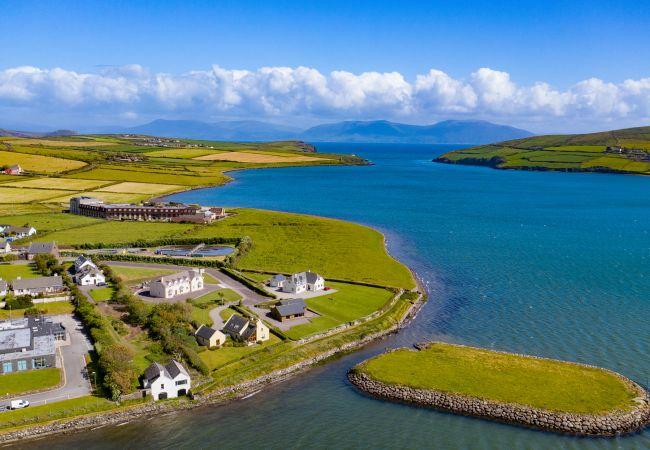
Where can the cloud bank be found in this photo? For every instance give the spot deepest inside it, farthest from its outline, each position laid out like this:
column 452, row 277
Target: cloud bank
column 133, row 93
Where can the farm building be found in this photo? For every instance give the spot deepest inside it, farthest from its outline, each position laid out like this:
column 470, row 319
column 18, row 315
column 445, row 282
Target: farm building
column 289, row 309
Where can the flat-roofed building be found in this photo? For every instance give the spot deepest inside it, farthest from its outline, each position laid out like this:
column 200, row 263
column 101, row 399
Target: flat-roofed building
column 28, row 343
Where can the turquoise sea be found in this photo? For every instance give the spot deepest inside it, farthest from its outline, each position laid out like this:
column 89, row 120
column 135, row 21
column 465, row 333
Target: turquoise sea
column 550, row 264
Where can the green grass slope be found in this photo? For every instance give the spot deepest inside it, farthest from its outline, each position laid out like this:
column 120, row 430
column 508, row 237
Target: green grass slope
column 570, row 153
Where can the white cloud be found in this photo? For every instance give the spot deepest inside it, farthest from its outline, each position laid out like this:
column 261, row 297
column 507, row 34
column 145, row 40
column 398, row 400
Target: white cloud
column 285, row 92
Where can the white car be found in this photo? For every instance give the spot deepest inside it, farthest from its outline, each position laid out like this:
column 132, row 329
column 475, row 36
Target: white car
column 18, row 404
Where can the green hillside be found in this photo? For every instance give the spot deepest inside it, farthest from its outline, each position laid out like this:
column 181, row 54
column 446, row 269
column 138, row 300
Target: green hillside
column 570, row 153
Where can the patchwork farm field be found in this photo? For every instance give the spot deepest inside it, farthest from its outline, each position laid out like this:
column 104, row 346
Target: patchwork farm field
column 49, row 222
column 140, row 188
column 247, row 157
column 180, row 178
column 22, row 195
column 59, row 143
column 38, row 163
column 66, row 184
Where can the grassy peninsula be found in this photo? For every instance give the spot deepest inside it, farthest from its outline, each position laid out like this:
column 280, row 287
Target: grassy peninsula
column 504, row 377
column 629, row 152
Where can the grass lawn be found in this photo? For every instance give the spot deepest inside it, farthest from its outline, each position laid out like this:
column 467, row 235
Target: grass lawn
column 140, row 188
column 226, row 313
column 291, row 243
column 546, row 384
column 107, row 197
column 201, row 315
column 48, row 309
column 350, row 302
column 224, row 355
column 101, row 294
column 31, row 380
column 182, row 178
column 114, row 232
column 39, row 163
column 56, row 410
column 10, row 272
column 209, row 279
column 227, row 294
column 47, row 222
column 136, row 274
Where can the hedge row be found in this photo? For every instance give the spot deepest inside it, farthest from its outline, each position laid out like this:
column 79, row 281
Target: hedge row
column 253, row 286
column 160, row 242
column 163, row 260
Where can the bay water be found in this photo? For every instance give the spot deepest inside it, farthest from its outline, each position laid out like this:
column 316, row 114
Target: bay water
column 550, row 264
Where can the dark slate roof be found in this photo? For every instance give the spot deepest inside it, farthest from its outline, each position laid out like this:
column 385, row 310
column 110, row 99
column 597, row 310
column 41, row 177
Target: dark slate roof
column 36, row 248
column 248, row 332
column 174, row 368
column 153, row 371
column 279, row 277
column 38, row 283
column 235, row 324
column 291, row 307
column 311, row 277
column 205, row 332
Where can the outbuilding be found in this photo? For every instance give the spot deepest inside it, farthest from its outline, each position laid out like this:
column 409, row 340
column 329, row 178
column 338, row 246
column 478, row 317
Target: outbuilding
column 289, row 309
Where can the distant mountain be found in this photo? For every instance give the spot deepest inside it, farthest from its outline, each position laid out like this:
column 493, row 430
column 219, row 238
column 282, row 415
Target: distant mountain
column 33, row 134
column 243, row 130
column 446, row 132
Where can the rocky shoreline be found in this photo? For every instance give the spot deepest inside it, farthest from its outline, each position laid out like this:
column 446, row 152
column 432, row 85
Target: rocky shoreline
column 124, row 415
column 611, row 424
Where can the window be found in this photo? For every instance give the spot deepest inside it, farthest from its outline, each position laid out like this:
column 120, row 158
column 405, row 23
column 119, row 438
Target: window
column 162, row 386
column 22, row 365
column 39, row 362
column 7, row 367
column 181, row 382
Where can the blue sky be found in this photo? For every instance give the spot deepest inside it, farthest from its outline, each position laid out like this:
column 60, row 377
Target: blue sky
column 560, row 44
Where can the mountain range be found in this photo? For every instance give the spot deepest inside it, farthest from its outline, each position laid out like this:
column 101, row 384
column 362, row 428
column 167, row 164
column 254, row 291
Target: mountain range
column 446, row 132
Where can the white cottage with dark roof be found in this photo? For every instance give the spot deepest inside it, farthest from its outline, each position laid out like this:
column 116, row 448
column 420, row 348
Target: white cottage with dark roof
column 303, row 282
column 180, row 283
column 168, row 381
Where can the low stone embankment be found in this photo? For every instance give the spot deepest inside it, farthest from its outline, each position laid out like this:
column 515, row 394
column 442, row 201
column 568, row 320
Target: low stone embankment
column 611, row 424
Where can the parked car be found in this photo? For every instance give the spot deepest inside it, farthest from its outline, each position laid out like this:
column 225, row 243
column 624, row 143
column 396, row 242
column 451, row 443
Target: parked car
column 19, row 404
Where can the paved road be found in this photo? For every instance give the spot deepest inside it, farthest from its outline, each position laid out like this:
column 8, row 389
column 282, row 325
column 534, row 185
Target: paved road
column 77, row 383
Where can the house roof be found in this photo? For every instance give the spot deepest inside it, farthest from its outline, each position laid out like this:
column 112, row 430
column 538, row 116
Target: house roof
column 205, row 332
column 81, row 260
column 174, row 368
column 179, row 276
column 290, row 307
column 37, row 283
column 12, row 229
column 3, row 285
column 170, row 370
column 279, row 277
column 235, row 324
column 88, row 270
column 37, row 248
column 305, row 277
column 153, row 371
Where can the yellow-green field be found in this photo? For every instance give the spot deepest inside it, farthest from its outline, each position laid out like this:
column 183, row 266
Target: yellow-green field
column 38, row 163
column 140, row 188
column 182, row 178
column 107, row 197
column 58, row 183
column 58, row 143
column 20, row 195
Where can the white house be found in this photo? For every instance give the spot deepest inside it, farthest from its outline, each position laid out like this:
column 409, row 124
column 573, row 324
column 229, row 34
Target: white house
column 83, row 261
column 19, row 232
column 302, row 282
column 209, row 337
column 36, row 286
column 250, row 331
column 3, row 288
column 89, row 275
column 5, row 247
column 176, row 284
column 277, row 281
column 168, row 381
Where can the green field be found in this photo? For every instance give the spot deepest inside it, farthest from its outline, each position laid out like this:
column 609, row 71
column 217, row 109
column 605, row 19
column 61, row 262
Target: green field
column 579, row 153
column 113, row 232
column 31, row 380
column 10, row 272
column 177, row 177
column 136, row 274
column 349, row 303
column 228, row 295
column 291, row 243
column 39, row 163
column 24, row 195
column 224, row 355
column 101, row 294
column 58, row 183
column 45, row 223
column 547, row 384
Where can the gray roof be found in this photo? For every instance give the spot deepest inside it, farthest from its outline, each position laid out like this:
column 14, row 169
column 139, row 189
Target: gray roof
column 279, row 277
column 15, row 339
column 189, row 274
column 305, row 277
column 170, row 370
column 12, row 229
column 174, row 368
column 205, row 332
column 153, row 371
column 82, row 260
column 235, row 324
column 37, row 248
column 27, row 337
column 3, row 285
column 38, row 283
column 291, row 307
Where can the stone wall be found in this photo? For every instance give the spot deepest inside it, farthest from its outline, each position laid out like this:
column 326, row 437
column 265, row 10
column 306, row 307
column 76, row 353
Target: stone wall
column 579, row 424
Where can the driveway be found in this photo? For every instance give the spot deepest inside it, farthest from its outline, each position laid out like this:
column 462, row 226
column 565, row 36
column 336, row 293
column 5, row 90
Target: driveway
column 72, row 353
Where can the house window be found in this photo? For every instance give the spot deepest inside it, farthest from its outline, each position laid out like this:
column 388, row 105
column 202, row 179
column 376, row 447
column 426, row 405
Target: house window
column 22, row 365
column 7, row 367
column 181, row 382
column 162, row 386
column 39, row 363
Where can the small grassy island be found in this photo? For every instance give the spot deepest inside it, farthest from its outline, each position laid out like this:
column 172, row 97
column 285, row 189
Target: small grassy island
column 543, row 393
column 618, row 151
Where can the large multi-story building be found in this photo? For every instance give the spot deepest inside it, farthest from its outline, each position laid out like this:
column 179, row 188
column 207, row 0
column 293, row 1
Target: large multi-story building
column 28, row 343
column 94, row 207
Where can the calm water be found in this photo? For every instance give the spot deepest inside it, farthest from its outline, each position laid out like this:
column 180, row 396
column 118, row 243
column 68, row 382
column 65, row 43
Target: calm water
column 543, row 263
